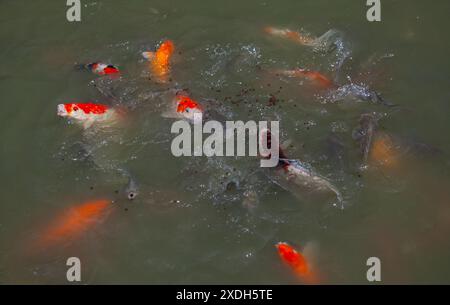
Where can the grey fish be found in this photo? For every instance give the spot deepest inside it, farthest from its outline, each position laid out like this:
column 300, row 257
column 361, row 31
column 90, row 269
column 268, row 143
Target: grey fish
column 300, row 179
column 364, row 134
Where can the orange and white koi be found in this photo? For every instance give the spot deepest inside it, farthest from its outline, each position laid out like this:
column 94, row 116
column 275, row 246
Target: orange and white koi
column 102, row 69
column 160, row 60
column 291, row 35
column 185, row 107
column 87, row 114
column 297, row 262
column 313, row 76
column 74, row 222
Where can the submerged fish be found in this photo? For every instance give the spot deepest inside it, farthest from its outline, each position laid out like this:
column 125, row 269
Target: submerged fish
column 377, row 147
column 357, row 93
column 182, row 106
column 299, row 179
column 314, row 76
column 100, row 68
column 132, row 188
column 384, row 152
column 364, row 134
column 102, row 149
column 87, row 114
column 302, row 181
column 291, row 35
column 160, row 60
column 297, row 262
column 74, row 222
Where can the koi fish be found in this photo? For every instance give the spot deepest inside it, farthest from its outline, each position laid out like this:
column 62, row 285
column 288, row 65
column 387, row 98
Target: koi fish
column 102, row 69
column 291, row 35
column 160, row 60
column 377, row 147
column 88, row 113
column 74, row 222
column 313, row 76
column 297, row 262
column 298, row 177
column 184, row 107
column 364, row 134
column 384, row 151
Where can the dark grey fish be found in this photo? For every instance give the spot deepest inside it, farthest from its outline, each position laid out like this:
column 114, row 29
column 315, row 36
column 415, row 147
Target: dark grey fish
column 335, row 151
column 364, row 133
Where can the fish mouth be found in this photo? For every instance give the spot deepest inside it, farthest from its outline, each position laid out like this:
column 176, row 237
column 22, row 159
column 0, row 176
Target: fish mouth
column 61, row 110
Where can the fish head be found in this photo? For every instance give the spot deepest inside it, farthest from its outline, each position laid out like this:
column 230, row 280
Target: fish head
column 132, row 189
column 167, row 47
column 97, row 67
column 71, row 110
column 286, row 252
column 189, row 109
column 294, row 259
column 80, row 111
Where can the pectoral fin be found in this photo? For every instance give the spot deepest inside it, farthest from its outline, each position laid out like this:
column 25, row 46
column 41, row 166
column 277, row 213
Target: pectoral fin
column 88, row 123
column 148, row 55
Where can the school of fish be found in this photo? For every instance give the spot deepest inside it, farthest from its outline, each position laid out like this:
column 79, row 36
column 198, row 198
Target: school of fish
column 377, row 148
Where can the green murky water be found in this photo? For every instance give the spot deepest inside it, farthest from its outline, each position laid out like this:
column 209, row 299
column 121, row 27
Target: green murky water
column 189, row 223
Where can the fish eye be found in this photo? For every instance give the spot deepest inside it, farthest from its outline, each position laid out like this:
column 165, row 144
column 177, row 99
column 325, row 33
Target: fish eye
column 187, row 110
column 75, row 108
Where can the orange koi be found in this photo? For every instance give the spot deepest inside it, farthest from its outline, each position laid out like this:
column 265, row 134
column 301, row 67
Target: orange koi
column 297, row 262
column 74, row 222
column 383, row 151
column 160, row 60
column 313, row 76
column 291, row 35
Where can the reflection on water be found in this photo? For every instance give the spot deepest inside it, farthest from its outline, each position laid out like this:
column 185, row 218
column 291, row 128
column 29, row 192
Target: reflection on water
column 375, row 132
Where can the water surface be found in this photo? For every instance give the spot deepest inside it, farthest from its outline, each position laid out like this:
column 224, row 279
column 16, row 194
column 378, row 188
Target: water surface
column 189, row 223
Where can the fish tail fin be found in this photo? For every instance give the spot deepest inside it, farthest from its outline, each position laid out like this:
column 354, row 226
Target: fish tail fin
column 80, row 67
column 269, row 30
column 148, row 55
column 310, row 252
column 91, row 66
column 379, row 99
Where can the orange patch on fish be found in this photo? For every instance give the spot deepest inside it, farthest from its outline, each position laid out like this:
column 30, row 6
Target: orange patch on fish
column 74, row 222
column 160, row 60
column 289, row 34
column 185, row 102
column 383, row 151
column 297, row 262
column 102, row 69
column 87, row 108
